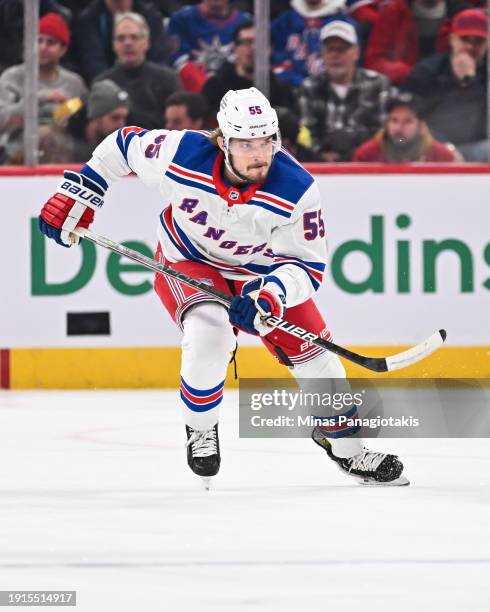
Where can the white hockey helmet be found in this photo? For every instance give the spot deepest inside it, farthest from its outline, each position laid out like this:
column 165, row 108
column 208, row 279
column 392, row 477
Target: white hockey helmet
column 247, row 113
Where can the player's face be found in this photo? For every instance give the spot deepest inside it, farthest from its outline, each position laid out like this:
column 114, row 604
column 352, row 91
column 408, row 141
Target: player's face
column 252, row 158
column 130, row 43
column 51, row 50
column 402, row 125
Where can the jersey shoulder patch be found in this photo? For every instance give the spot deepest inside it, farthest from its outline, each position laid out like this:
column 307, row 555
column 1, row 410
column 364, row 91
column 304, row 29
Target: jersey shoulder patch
column 192, row 164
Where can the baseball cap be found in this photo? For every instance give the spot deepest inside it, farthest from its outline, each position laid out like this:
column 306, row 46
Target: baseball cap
column 104, row 97
column 54, row 25
column 340, row 29
column 471, row 22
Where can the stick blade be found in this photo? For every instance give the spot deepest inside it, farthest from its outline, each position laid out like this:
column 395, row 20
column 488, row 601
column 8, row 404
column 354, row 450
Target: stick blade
column 416, row 353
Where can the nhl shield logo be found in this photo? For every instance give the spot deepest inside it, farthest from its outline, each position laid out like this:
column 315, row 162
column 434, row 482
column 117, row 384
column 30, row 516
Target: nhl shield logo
column 234, row 195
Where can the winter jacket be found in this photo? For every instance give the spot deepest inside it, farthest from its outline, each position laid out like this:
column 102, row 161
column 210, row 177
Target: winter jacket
column 148, row 86
column 393, row 47
column 281, row 92
column 454, row 110
column 202, row 43
column 341, row 124
column 93, row 37
column 429, row 150
column 295, row 38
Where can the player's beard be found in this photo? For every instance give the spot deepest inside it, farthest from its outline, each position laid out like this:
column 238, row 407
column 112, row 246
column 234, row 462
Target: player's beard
column 258, row 177
column 252, row 178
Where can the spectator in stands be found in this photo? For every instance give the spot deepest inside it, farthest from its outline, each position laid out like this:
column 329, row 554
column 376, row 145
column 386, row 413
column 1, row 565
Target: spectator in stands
column 240, row 73
column 12, row 28
column 408, row 31
column 453, row 87
column 404, row 137
column 290, row 127
column 203, row 38
column 106, row 111
column 147, row 83
column 56, row 84
column 295, row 36
column 168, row 7
column 11, row 33
column 345, row 104
column 76, row 6
column 94, row 34
column 185, row 110
column 365, row 12
column 247, row 6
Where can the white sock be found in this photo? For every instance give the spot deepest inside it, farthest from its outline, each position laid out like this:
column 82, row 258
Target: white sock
column 206, row 346
column 328, row 366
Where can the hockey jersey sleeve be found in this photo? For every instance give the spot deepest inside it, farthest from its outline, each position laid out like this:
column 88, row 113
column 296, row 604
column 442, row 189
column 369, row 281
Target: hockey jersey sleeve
column 133, row 149
column 300, row 249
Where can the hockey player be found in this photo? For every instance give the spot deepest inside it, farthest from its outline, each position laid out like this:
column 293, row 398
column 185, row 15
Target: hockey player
column 242, row 215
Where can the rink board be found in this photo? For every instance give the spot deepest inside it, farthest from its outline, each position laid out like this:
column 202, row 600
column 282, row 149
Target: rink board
column 153, row 368
column 409, row 254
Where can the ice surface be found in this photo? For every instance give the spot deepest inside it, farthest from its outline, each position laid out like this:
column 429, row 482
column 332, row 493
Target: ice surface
column 96, row 496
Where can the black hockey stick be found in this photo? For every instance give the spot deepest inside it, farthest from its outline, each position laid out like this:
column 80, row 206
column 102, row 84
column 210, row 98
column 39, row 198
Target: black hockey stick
column 376, row 364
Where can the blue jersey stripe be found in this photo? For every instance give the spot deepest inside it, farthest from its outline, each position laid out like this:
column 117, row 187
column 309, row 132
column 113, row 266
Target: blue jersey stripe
column 128, row 140
column 123, row 143
column 190, row 183
column 316, row 265
column 272, row 208
column 313, row 280
column 197, row 256
column 120, row 144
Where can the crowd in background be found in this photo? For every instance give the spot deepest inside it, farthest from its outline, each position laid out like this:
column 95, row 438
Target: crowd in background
column 352, row 80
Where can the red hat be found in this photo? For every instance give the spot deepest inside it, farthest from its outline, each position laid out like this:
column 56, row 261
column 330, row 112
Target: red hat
column 54, row 25
column 471, row 22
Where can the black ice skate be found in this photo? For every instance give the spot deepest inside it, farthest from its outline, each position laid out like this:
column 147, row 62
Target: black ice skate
column 368, row 467
column 203, row 454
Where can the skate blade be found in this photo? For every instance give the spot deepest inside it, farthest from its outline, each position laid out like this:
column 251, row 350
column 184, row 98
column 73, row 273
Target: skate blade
column 401, row 481
column 206, row 483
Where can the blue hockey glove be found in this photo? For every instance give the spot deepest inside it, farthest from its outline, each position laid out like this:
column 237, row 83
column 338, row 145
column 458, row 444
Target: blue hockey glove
column 260, row 297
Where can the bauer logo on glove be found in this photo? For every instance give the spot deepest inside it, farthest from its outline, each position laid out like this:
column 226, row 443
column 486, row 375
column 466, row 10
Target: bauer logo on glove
column 82, row 194
column 73, row 205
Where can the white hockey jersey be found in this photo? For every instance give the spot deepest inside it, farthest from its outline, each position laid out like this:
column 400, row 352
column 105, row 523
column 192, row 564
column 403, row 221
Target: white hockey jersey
column 275, row 227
